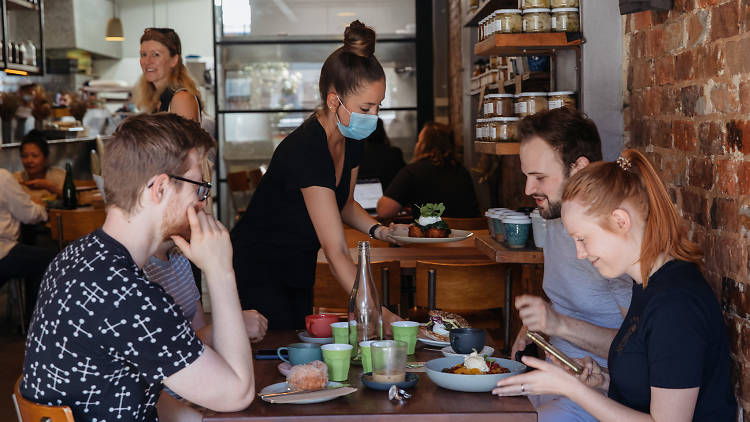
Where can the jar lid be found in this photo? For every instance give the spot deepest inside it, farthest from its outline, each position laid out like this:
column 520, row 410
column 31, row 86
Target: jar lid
column 481, row 120
column 517, row 219
column 504, row 11
column 565, row 9
column 498, row 96
column 504, row 119
column 533, row 94
column 536, row 10
column 556, row 93
column 481, row 21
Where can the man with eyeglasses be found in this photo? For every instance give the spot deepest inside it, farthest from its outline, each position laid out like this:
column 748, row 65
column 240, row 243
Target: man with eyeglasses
column 104, row 340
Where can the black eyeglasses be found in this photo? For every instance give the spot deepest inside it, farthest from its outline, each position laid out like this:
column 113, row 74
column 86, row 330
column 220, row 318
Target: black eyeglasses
column 204, row 188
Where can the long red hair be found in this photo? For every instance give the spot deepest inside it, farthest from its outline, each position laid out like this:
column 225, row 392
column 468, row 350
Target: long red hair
column 603, row 187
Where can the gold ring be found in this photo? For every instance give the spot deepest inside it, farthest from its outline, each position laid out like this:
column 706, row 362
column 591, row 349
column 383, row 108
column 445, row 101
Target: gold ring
column 523, row 388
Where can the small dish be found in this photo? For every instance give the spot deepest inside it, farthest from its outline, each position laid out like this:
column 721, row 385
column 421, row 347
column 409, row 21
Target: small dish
column 307, row 338
column 436, row 343
column 335, row 391
column 410, row 381
column 448, row 351
column 455, row 236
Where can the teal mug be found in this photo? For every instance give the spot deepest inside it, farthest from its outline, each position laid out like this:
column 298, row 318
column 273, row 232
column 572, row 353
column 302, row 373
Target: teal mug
column 301, row 353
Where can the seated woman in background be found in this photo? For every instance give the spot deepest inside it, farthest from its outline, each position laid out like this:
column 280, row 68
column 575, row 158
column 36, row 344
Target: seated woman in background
column 38, row 179
column 433, row 176
column 380, row 160
column 670, row 359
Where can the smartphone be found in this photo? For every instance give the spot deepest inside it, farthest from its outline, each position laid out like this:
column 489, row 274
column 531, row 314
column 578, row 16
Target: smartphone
column 531, row 350
column 554, row 351
column 267, row 354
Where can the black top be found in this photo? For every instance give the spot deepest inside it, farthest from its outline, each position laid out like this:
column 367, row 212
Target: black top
column 103, row 338
column 277, row 215
column 424, row 182
column 380, row 161
column 673, row 337
column 165, row 99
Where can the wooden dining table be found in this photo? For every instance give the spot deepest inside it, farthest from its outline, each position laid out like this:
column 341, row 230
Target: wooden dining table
column 428, row 402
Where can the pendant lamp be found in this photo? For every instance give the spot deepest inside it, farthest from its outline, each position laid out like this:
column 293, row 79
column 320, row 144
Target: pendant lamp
column 114, row 27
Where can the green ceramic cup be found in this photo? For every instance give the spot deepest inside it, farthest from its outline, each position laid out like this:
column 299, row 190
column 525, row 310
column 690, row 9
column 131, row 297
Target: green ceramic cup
column 364, row 350
column 337, row 358
column 406, row 331
column 340, row 332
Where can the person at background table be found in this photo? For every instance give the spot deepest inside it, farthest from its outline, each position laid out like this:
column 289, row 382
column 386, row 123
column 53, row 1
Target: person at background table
column 104, row 340
column 165, row 84
column 584, row 309
column 18, row 259
column 670, row 358
column 434, row 176
column 306, row 194
column 380, row 159
column 39, row 180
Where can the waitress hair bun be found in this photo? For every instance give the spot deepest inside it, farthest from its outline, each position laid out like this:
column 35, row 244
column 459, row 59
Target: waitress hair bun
column 359, row 39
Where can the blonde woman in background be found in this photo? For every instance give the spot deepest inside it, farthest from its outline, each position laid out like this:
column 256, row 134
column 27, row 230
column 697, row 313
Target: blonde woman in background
column 165, row 84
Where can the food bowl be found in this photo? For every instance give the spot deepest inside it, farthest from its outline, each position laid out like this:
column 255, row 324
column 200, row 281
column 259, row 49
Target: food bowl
column 465, row 340
column 468, row 383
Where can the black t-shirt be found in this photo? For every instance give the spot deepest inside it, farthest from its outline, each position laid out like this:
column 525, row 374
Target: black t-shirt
column 103, row 338
column 673, row 337
column 424, row 182
column 277, row 216
column 380, row 161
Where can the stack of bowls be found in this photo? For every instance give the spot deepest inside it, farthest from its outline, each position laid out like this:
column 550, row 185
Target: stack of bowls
column 538, row 227
column 494, row 222
column 516, row 227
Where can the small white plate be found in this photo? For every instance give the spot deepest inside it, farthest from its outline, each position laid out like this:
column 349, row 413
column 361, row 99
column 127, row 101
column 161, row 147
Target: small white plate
column 283, row 387
column 448, row 351
column 436, row 343
column 455, row 236
column 307, row 338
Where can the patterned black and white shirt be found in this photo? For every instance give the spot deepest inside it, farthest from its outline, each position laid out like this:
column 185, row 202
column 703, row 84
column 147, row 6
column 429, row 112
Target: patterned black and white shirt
column 103, row 338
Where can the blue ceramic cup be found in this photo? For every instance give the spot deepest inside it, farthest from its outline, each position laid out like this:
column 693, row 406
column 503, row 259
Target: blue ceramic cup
column 516, row 230
column 301, row 353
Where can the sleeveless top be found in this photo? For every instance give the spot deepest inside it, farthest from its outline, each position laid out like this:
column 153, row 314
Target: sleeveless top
column 166, row 100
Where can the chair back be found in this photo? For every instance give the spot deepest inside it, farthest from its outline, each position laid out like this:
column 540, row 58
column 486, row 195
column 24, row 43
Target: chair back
column 28, row 411
column 330, row 297
column 69, row 225
column 469, row 224
column 460, row 287
column 241, row 186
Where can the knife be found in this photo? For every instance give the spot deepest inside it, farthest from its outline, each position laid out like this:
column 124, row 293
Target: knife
column 288, row 393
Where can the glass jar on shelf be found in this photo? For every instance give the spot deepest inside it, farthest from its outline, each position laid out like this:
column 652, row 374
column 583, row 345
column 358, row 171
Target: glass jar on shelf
column 565, row 20
column 537, row 20
column 533, row 102
column 30, row 57
column 560, row 99
column 508, row 21
column 563, row 3
column 502, row 129
column 480, row 126
column 535, row 4
column 502, row 105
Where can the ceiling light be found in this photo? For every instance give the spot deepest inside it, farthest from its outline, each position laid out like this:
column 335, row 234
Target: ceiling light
column 114, row 27
column 345, row 14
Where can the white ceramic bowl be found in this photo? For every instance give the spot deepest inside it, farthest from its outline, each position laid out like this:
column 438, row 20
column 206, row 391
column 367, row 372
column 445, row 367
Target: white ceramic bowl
column 468, row 383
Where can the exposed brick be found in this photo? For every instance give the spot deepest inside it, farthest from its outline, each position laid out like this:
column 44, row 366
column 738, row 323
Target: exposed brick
column 724, row 215
column 638, row 45
column 680, row 6
column 744, row 181
column 697, row 28
column 655, row 42
column 711, row 59
column 735, row 135
column 664, row 68
column 672, row 169
column 727, row 181
column 694, row 207
column 701, row 173
column 643, row 74
column 729, row 256
column 724, row 99
column 684, row 66
column 639, row 133
column 660, row 134
column 725, row 20
column 705, row 3
column 744, row 16
column 641, row 20
column 670, row 100
column 652, row 96
column 674, row 36
column 738, row 61
column 658, row 17
column 711, row 138
column 692, row 100
column 743, row 214
column 745, row 96
column 683, row 133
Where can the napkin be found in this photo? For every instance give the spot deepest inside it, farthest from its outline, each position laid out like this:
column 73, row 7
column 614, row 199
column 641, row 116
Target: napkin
column 330, row 393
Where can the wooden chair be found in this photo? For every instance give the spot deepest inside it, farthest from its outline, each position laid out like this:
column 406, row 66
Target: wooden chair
column 241, row 186
column 330, row 297
column 69, row 225
column 470, row 224
column 28, row 411
column 475, row 290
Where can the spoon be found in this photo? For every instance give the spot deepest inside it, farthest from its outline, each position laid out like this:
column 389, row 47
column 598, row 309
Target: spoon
column 395, row 393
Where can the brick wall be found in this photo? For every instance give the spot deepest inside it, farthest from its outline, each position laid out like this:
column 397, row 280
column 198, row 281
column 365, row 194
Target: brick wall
column 687, row 105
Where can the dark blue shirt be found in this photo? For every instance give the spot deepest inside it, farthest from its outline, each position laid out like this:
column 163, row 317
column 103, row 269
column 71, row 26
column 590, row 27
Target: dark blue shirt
column 673, row 337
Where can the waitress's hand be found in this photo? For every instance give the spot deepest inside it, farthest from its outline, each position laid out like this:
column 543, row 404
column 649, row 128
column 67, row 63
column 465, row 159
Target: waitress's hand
column 385, row 233
column 549, row 379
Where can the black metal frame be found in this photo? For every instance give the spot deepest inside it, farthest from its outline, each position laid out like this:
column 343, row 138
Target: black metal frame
column 41, row 66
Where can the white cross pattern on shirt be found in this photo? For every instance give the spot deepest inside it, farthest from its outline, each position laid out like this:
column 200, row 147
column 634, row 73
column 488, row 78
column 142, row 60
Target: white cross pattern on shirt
column 115, row 377
column 85, row 371
column 183, row 359
column 63, row 350
column 149, row 334
column 88, row 401
column 53, row 373
column 95, row 240
column 38, row 339
column 117, row 273
column 64, row 304
column 91, row 294
column 131, row 350
column 125, row 293
column 111, row 327
column 170, row 306
column 87, row 264
column 147, row 305
column 164, row 352
column 78, row 328
column 185, row 330
column 37, row 392
column 160, row 375
column 122, row 394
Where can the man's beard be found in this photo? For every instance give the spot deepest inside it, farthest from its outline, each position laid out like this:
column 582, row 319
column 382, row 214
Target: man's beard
column 175, row 225
column 553, row 210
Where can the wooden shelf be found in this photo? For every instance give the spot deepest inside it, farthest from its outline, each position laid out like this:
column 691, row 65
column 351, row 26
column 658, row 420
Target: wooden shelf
column 531, row 76
column 488, row 7
column 499, row 252
column 526, row 44
column 497, row 148
column 24, row 68
column 21, row 5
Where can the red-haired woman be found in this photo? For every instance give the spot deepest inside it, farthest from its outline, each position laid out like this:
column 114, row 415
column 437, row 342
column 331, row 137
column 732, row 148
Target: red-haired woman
column 670, row 359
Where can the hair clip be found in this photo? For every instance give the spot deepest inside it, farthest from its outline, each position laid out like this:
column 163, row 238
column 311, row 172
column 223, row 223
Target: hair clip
column 624, row 163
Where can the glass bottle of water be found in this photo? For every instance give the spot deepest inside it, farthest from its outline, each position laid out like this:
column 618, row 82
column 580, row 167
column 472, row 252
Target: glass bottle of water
column 365, row 317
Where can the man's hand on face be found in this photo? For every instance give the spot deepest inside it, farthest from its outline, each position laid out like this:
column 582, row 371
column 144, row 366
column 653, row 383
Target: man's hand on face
column 210, row 247
column 537, row 314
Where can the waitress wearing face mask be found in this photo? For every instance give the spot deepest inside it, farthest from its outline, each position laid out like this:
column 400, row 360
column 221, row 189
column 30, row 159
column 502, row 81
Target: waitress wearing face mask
column 306, row 195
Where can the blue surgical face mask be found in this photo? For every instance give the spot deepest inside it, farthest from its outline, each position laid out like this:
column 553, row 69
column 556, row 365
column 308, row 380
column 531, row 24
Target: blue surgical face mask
column 360, row 125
